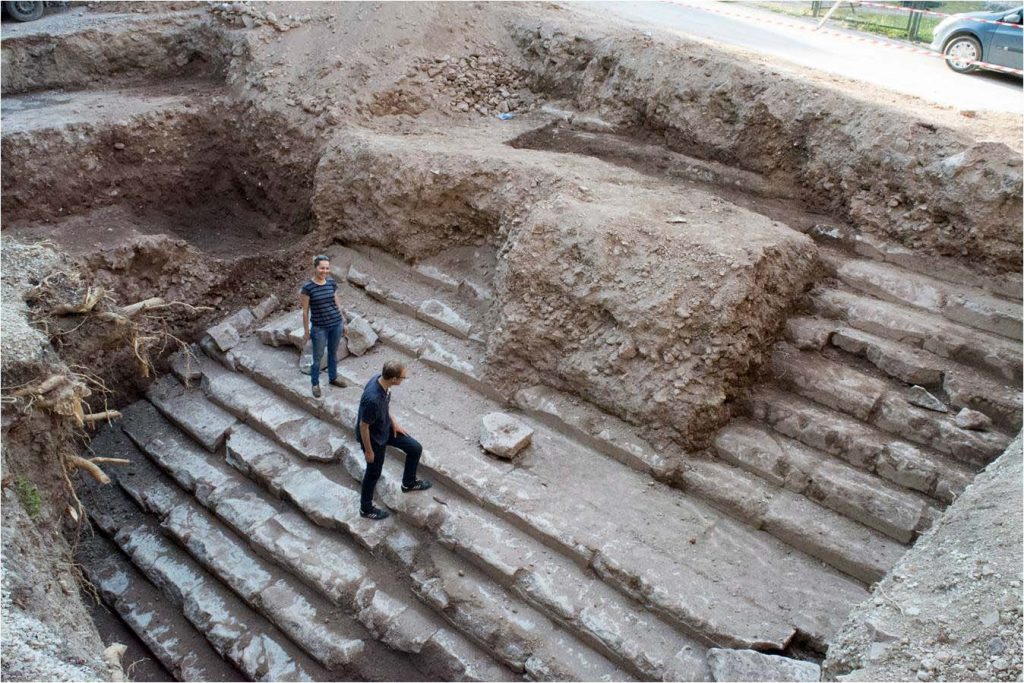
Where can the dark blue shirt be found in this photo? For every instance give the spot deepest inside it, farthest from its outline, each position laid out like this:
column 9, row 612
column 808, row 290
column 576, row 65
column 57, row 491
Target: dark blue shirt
column 374, row 410
column 323, row 311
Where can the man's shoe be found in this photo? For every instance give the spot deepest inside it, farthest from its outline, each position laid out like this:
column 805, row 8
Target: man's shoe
column 316, row 390
column 375, row 513
column 420, row 485
column 338, row 382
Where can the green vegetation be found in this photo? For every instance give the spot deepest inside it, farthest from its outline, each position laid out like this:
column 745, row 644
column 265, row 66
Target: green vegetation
column 29, row 496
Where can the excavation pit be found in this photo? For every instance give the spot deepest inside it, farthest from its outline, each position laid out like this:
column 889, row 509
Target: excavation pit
column 714, row 358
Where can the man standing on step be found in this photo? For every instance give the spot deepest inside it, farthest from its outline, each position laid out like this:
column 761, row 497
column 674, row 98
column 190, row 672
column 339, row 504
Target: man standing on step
column 376, row 430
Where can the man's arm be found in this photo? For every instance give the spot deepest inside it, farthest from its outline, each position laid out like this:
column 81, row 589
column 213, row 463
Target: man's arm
column 364, row 436
column 398, row 429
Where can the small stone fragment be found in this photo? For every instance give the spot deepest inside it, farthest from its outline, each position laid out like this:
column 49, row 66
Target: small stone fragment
column 972, row 419
column 504, row 435
column 265, row 307
column 920, row 396
column 357, row 277
column 361, row 336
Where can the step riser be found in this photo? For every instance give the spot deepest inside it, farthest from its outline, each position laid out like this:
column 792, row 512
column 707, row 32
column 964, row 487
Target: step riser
column 993, row 355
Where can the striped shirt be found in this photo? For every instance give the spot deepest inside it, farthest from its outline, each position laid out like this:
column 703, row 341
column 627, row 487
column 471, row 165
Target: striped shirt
column 323, row 312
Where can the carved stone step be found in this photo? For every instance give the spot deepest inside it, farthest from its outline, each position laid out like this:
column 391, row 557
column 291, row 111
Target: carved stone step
column 855, row 493
column 881, row 404
column 203, row 421
column 966, row 305
column 915, row 328
column 172, row 639
column 859, row 444
column 239, row 634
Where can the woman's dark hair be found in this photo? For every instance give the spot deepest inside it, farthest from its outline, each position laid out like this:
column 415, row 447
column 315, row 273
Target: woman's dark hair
column 318, row 259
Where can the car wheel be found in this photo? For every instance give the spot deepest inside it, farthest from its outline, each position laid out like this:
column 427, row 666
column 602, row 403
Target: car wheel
column 961, row 54
column 24, row 11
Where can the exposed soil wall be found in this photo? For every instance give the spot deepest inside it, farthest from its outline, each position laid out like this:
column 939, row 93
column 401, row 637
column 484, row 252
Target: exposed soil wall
column 174, row 47
column 40, row 582
column 927, row 187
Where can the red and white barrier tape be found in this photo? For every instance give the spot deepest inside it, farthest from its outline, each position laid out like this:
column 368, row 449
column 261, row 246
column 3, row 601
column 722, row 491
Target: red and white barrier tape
column 847, row 36
column 932, row 12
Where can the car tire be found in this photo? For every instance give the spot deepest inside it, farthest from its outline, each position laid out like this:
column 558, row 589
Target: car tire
column 24, row 11
column 967, row 48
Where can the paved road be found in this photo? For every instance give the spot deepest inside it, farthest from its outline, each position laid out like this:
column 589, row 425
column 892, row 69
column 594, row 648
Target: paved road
column 788, row 39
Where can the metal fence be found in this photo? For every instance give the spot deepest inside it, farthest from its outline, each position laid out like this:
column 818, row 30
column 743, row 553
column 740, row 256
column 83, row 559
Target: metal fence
column 912, row 20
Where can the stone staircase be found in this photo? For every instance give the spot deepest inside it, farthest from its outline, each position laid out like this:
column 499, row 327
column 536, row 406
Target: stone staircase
column 594, row 557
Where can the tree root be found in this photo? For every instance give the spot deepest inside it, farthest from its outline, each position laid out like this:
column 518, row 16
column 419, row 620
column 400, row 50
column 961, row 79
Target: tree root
column 104, row 415
column 93, row 469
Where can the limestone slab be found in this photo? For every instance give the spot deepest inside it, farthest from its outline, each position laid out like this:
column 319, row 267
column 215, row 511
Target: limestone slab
column 442, row 316
column 276, row 332
column 904, row 363
column 265, row 307
column 809, row 334
column 186, row 408
column 361, row 336
column 832, row 384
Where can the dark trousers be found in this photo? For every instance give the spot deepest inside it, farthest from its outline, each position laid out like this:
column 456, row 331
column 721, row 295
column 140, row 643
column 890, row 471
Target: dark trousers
column 413, row 451
column 325, row 338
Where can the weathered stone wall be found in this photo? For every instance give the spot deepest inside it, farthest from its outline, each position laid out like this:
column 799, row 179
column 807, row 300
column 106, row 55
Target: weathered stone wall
column 935, row 190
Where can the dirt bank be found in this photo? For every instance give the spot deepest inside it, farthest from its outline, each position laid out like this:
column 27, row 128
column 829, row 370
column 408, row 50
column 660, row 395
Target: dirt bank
column 930, row 187
column 951, row 608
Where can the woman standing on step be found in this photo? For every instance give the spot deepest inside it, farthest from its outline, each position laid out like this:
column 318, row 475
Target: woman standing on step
column 321, row 306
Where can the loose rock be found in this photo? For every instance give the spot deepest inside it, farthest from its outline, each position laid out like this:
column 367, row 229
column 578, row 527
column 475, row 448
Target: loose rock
column 920, row 396
column 972, row 419
column 504, row 435
column 361, row 336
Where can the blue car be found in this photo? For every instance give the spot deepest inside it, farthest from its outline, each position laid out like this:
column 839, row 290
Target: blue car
column 965, row 40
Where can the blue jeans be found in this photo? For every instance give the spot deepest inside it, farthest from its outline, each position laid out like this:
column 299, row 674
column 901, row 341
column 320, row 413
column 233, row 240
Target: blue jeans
column 322, row 337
